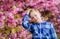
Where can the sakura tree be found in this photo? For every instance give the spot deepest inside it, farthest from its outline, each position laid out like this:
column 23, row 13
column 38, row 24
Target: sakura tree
column 12, row 12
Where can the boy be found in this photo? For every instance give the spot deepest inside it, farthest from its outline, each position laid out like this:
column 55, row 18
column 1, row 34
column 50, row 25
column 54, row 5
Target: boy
column 39, row 28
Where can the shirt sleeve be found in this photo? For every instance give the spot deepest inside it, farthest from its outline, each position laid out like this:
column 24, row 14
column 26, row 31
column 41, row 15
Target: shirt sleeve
column 26, row 24
column 53, row 32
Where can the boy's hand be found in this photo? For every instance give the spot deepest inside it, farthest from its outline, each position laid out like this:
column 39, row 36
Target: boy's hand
column 27, row 11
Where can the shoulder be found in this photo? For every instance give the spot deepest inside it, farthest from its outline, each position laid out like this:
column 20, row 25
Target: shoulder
column 48, row 24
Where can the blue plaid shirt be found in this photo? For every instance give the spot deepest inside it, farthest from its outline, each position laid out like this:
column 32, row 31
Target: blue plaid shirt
column 43, row 30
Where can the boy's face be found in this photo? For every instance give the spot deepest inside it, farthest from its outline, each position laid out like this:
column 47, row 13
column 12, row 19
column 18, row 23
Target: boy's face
column 35, row 16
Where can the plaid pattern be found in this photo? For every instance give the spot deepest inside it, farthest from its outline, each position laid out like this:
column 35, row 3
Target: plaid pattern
column 43, row 30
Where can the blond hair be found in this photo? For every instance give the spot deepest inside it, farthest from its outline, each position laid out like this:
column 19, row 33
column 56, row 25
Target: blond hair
column 45, row 14
column 34, row 10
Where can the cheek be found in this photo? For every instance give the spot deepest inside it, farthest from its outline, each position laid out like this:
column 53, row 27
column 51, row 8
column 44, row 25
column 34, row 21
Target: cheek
column 37, row 16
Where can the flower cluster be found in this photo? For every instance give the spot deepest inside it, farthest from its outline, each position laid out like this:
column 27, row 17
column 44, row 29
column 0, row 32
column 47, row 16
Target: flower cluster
column 13, row 11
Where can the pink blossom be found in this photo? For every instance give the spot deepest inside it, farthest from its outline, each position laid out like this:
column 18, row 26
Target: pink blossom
column 9, row 14
column 2, row 17
column 56, row 2
column 13, row 36
column 15, row 10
